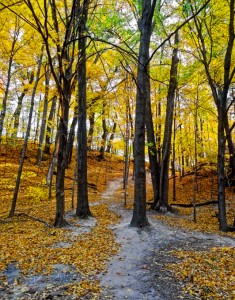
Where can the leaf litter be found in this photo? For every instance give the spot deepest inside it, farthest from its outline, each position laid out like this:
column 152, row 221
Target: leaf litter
column 102, row 257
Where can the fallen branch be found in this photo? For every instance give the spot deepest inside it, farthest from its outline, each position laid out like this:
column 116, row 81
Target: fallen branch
column 91, row 185
column 196, row 204
column 34, row 218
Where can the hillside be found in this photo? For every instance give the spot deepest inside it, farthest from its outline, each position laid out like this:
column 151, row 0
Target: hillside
column 38, row 261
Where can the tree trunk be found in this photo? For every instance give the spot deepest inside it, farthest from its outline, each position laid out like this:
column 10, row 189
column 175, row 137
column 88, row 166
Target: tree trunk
column 4, row 102
column 163, row 193
column 220, row 94
column 17, row 112
column 110, row 142
column 13, row 51
column 24, row 149
column 44, row 118
column 126, row 153
column 37, row 118
column 83, row 209
column 230, row 147
column 152, row 151
column 61, row 166
column 104, row 135
column 139, row 218
column 71, row 138
column 220, row 166
column 91, row 130
column 49, row 126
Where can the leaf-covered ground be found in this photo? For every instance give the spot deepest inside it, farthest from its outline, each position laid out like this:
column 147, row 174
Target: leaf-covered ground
column 208, row 274
column 29, row 248
column 33, row 254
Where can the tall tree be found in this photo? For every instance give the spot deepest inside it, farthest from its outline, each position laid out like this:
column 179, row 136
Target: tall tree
column 24, row 149
column 220, row 90
column 60, row 38
column 17, row 112
column 164, row 177
column 44, row 116
column 50, row 125
column 82, row 209
column 145, row 24
column 13, row 38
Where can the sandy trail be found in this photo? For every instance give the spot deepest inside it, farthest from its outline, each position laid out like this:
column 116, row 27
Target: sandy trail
column 139, row 271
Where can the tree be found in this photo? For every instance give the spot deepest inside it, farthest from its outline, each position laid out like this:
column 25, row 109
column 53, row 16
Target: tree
column 145, row 24
column 20, row 169
column 164, row 177
column 82, row 209
column 14, row 48
column 65, row 49
column 220, row 90
column 17, row 112
column 44, row 116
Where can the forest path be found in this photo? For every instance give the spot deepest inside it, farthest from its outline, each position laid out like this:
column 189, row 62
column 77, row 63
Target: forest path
column 139, row 271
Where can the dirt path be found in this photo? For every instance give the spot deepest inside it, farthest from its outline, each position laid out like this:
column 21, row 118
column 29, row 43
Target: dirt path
column 139, row 271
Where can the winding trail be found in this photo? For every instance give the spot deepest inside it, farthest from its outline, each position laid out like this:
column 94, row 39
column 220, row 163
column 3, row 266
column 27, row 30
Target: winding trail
column 139, row 270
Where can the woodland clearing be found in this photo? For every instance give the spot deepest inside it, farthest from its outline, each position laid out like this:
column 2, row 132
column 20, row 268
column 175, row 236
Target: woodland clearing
column 102, row 257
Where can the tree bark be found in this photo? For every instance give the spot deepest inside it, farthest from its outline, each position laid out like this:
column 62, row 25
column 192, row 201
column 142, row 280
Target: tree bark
column 164, row 173
column 220, row 94
column 44, row 118
column 139, row 218
column 49, row 126
column 82, row 209
column 104, row 135
column 24, row 149
column 71, row 138
column 91, row 130
column 17, row 112
column 110, row 142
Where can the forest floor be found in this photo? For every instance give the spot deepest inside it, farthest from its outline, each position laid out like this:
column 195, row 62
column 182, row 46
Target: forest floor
column 102, row 257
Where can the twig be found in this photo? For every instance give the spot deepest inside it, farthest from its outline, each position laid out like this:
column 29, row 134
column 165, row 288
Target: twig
column 34, row 218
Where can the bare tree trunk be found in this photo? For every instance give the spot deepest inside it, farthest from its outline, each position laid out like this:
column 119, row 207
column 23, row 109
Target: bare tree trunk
column 82, row 209
column 37, row 118
column 20, row 169
column 71, row 138
column 220, row 167
column 139, row 218
column 17, row 112
column 110, row 142
column 4, row 102
column 126, row 153
column 49, row 126
column 163, row 193
column 220, row 94
column 50, row 172
column 91, row 130
column 230, row 147
column 13, row 51
column 104, row 135
column 152, row 152
column 44, row 118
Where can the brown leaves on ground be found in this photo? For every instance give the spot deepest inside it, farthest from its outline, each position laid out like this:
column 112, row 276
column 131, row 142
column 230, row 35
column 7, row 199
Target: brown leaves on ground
column 207, row 274
column 33, row 247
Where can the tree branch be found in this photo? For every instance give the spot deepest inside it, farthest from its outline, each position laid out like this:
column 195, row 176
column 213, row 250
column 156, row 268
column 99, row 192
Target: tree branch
column 177, row 29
